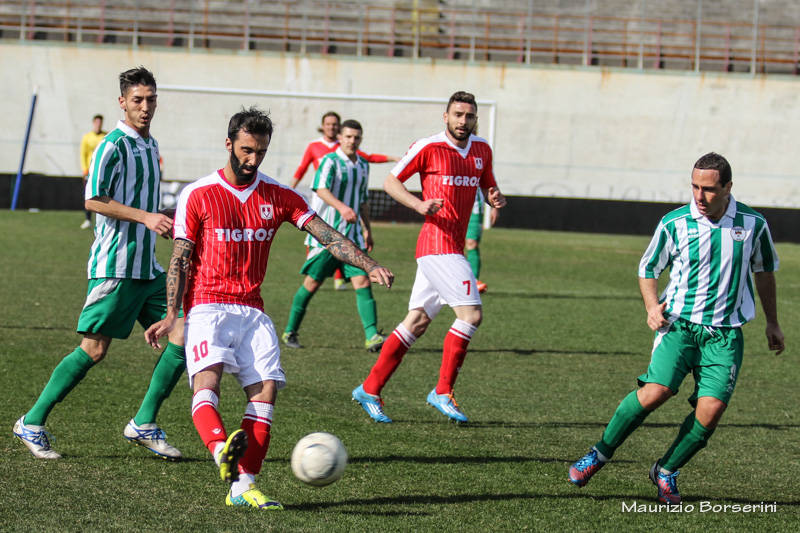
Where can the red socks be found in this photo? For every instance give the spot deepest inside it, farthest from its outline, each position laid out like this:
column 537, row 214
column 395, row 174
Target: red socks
column 392, row 352
column 453, row 354
column 206, row 418
column 256, row 422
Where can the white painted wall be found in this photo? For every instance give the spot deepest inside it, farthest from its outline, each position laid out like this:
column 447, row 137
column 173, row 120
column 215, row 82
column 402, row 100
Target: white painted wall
column 586, row 133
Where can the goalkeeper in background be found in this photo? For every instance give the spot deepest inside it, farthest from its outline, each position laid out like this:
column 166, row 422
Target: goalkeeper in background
column 88, row 143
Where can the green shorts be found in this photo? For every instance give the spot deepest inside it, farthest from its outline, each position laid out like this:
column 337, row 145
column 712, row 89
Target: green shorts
column 113, row 305
column 712, row 355
column 322, row 265
column 475, row 227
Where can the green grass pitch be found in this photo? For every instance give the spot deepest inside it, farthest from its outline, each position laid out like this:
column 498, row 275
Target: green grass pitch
column 563, row 339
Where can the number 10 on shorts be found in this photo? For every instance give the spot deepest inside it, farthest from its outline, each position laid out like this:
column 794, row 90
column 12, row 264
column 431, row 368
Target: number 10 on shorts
column 200, row 350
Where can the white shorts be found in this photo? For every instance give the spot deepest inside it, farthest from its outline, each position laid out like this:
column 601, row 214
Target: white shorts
column 238, row 336
column 443, row 279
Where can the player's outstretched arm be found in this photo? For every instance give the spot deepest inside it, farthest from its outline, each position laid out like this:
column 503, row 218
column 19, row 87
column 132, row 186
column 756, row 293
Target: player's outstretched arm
column 767, row 293
column 177, row 273
column 104, row 205
column 345, row 250
column 395, row 188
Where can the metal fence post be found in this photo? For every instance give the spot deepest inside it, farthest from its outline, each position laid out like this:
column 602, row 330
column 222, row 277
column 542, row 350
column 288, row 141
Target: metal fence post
column 753, row 59
column 640, row 63
column 698, row 35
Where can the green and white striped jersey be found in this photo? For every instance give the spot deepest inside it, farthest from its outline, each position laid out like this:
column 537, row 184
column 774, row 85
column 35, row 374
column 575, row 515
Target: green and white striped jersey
column 348, row 182
column 710, row 263
column 124, row 168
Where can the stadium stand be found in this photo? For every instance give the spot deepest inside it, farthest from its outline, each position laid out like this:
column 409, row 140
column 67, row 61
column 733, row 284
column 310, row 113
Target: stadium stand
column 730, row 35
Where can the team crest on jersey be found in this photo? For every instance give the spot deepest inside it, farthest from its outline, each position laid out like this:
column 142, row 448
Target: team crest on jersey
column 478, row 162
column 266, row 211
column 738, row 233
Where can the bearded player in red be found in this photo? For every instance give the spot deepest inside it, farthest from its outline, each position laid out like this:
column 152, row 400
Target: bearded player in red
column 224, row 226
column 451, row 165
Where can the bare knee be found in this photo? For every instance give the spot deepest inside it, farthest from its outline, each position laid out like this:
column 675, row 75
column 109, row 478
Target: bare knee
column 417, row 322
column 653, row 395
column 207, row 379
column 263, row 391
column 471, row 314
column 95, row 346
column 709, row 411
column 311, row 285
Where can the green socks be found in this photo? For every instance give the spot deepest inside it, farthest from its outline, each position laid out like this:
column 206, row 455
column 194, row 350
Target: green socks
column 168, row 370
column 368, row 311
column 68, row 373
column 474, row 259
column 692, row 437
column 629, row 415
column 298, row 311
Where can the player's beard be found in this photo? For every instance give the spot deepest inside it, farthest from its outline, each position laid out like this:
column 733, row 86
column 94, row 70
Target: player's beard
column 459, row 136
column 238, row 169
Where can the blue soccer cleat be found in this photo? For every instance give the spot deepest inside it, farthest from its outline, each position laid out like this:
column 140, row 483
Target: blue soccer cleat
column 36, row 438
column 667, row 486
column 584, row 468
column 153, row 438
column 446, row 404
column 372, row 404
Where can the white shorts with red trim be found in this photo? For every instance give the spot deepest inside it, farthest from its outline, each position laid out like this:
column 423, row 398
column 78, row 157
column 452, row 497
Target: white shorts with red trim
column 443, row 280
column 240, row 337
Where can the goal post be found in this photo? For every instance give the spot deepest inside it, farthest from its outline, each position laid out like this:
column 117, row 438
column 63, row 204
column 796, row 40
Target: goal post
column 391, row 123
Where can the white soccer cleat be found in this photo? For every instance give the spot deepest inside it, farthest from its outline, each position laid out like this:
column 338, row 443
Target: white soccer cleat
column 86, row 224
column 153, row 438
column 36, row 438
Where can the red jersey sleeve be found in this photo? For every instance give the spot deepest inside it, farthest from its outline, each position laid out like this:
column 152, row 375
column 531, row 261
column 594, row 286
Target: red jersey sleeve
column 374, row 158
column 308, row 158
column 411, row 162
column 487, row 178
column 294, row 208
column 188, row 215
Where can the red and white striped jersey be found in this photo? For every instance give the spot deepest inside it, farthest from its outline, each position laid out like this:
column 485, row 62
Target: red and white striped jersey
column 453, row 174
column 232, row 230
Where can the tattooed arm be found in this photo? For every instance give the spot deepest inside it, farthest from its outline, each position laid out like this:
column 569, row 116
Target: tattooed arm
column 345, row 250
column 176, row 285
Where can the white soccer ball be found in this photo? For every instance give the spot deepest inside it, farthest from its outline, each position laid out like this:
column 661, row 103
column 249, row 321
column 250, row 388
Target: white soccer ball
column 319, row 459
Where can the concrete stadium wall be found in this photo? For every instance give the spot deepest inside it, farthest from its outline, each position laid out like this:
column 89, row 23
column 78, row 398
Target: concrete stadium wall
column 561, row 132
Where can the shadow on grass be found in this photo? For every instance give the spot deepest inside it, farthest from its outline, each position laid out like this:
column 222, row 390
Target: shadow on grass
column 531, row 351
column 38, row 328
column 455, row 459
column 411, row 500
column 600, row 425
column 556, row 296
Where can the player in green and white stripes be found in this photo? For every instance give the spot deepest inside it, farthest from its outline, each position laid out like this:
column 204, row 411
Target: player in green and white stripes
column 341, row 199
column 472, row 244
column 126, row 284
column 713, row 247
column 125, row 170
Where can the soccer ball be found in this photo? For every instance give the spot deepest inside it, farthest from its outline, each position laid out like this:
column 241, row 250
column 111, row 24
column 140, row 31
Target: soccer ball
column 319, row 459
